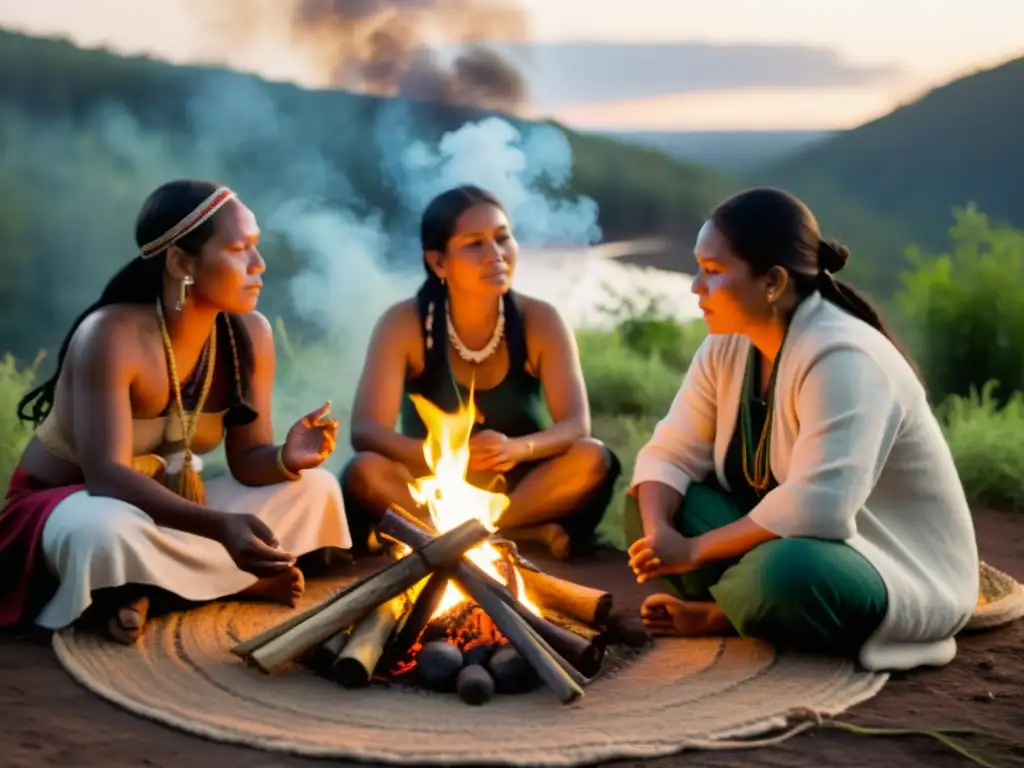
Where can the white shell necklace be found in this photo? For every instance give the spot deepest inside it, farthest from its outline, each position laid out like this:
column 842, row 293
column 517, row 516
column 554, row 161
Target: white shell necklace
column 477, row 356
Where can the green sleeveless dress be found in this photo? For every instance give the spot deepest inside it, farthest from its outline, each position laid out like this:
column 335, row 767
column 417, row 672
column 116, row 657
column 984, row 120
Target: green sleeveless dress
column 515, row 407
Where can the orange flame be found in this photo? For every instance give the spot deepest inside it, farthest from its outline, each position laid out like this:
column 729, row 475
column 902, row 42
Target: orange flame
column 450, row 499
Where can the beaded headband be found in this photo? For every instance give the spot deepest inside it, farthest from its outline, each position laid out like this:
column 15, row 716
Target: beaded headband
column 202, row 213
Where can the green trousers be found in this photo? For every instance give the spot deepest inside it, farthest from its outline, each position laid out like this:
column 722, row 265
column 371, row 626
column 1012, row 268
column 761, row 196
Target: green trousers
column 796, row 594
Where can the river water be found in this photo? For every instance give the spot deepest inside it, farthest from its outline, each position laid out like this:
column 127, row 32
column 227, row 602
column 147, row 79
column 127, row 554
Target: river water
column 581, row 282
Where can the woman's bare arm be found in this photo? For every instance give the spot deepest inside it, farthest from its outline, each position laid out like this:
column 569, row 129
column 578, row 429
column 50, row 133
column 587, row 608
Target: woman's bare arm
column 561, row 377
column 381, row 385
column 104, row 361
column 250, row 449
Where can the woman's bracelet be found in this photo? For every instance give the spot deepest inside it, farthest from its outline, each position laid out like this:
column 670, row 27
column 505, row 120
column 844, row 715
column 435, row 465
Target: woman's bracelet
column 283, row 469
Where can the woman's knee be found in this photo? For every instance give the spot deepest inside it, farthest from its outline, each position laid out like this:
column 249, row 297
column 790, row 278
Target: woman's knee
column 93, row 526
column 364, row 473
column 590, row 460
column 786, row 588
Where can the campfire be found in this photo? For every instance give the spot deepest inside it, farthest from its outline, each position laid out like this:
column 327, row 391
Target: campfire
column 459, row 609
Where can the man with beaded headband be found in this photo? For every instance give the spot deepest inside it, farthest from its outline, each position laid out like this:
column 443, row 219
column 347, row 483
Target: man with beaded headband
column 467, row 327
column 800, row 489
column 107, row 510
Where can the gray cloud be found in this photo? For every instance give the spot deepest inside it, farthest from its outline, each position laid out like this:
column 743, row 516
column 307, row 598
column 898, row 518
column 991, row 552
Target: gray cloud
column 559, row 73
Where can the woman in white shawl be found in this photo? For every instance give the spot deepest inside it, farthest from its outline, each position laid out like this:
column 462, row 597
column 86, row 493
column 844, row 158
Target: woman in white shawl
column 800, row 490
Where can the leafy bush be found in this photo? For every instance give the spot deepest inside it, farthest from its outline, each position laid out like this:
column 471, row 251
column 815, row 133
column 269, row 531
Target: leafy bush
column 987, row 443
column 966, row 309
column 15, row 381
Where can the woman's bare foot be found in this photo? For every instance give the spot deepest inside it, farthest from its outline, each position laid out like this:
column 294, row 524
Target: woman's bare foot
column 286, row 588
column 551, row 535
column 128, row 621
column 668, row 615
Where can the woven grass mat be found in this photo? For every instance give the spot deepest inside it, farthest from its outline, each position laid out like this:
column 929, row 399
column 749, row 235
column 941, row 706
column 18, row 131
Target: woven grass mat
column 678, row 694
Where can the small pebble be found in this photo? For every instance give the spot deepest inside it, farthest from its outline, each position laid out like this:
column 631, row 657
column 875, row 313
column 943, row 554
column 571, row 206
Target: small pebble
column 475, row 685
column 439, row 663
column 511, row 672
column 479, row 654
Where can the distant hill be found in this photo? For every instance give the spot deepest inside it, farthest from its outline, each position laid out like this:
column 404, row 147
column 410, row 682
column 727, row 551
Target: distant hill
column 729, row 151
column 962, row 142
column 85, row 134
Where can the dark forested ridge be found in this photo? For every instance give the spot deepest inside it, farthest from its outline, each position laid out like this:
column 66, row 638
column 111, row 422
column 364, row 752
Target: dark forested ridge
column 86, row 134
column 960, row 143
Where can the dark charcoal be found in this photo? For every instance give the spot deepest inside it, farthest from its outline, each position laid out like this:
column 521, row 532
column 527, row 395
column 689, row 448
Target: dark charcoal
column 480, row 654
column 511, row 672
column 434, row 632
column 475, row 685
column 439, row 663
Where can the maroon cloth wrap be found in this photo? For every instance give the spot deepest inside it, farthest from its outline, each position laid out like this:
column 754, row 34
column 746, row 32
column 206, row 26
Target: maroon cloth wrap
column 25, row 581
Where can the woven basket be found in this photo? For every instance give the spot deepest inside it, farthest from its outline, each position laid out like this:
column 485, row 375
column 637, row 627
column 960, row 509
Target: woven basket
column 1000, row 600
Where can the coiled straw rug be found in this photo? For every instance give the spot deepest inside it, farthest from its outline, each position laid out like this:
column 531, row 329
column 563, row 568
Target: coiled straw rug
column 676, row 695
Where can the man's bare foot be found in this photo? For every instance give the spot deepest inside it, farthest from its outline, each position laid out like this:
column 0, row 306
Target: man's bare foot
column 667, row 615
column 128, row 621
column 286, row 588
column 551, row 535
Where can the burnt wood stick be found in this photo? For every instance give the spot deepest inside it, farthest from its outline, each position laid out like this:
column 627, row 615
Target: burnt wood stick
column 581, row 653
column 531, row 646
column 354, row 665
column 386, row 584
column 416, row 621
column 569, row 598
column 245, row 648
column 323, row 656
column 577, row 676
column 586, row 604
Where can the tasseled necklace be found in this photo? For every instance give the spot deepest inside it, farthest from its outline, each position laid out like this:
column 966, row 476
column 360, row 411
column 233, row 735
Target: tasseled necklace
column 188, row 483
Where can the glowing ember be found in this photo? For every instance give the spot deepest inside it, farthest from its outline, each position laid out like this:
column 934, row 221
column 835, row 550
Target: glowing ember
column 452, row 500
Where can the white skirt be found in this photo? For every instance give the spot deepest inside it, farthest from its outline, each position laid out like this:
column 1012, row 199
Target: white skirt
column 95, row 542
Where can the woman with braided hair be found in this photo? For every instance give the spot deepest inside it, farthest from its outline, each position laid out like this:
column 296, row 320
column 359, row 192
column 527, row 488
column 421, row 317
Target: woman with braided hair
column 800, row 489
column 107, row 509
column 466, row 326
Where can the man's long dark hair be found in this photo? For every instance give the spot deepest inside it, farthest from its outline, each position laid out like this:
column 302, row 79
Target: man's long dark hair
column 140, row 281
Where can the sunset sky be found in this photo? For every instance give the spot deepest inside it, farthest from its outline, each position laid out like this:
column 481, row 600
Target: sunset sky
column 643, row 64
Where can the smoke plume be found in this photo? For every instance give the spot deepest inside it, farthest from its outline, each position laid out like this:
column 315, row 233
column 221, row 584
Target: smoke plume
column 356, row 263
column 427, row 50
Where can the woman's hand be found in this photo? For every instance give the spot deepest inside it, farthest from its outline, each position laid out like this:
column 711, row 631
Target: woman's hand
column 492, row 451
column 664, row 551
column 252, row 545
column 310, row 440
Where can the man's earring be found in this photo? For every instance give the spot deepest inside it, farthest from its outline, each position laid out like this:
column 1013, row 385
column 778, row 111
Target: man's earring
column 186, row 281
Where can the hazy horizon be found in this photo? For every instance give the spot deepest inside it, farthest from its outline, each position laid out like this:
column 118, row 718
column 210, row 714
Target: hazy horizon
column 742, row 65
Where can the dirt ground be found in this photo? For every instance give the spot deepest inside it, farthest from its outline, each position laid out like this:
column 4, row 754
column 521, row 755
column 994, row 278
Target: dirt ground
column 47, row 719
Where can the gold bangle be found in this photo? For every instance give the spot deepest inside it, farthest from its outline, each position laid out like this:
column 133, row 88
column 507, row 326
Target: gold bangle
column 529, row 449
column 283, row 469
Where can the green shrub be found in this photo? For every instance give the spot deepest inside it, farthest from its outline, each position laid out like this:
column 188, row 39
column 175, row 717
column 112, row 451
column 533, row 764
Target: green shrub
column 645, row 327
column 621, row 381
column 987, row 443
column 966, row 310
column 15, row 381
column 626, row 436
